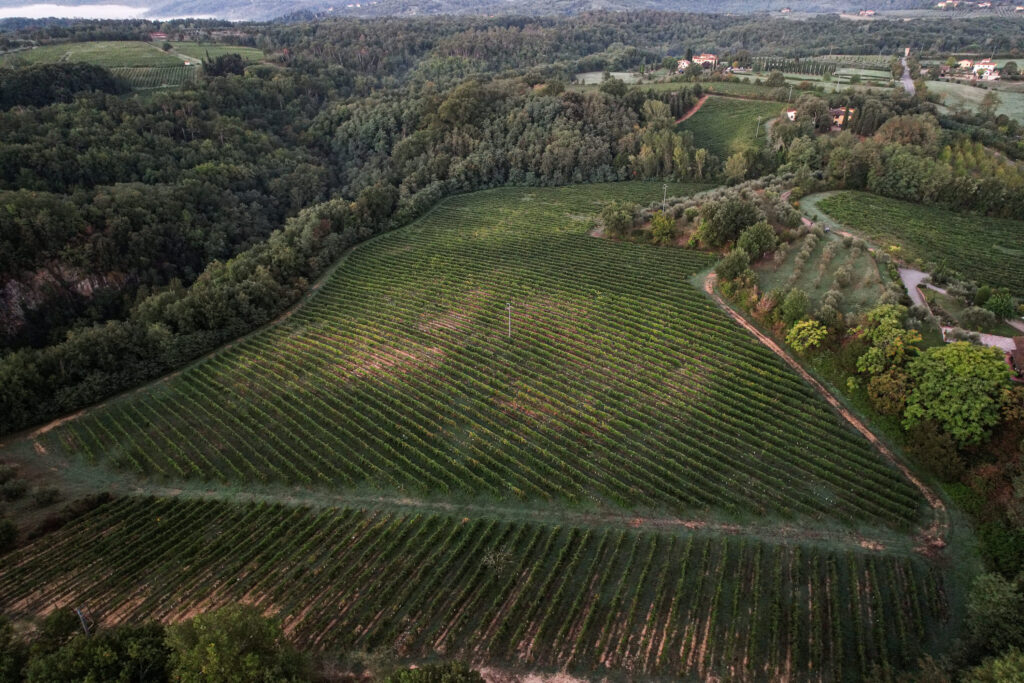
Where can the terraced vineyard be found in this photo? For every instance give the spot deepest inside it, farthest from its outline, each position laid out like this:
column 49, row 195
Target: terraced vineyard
column 621, row 384
column 988, row 250
column 587, row 599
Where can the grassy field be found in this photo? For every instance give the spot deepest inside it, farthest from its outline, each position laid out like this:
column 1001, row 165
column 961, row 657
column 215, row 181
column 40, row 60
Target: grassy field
column 959, row 95
column 588, row 599
column 953, row 307
column 201, row 50
column 988, row 250
column 101, row 53
column 817, row 275
column 399, row 375
column 726, row 125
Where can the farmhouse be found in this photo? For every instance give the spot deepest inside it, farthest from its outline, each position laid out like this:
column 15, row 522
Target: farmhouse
column 158, row 36
column 683, row 65
column 840, row 116
column 706, row 59
column 965, row 64
column 785, row 10
column 984, row 5
column 791, row 114
column 867, row 13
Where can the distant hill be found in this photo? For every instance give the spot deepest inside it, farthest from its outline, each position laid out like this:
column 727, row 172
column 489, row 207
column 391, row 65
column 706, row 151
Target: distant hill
column 261, row 10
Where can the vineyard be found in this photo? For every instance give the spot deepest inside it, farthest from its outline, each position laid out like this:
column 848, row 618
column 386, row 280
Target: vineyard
column 620, row 383
column 200, row 51
column 586, row 599
column 109, row 54
column 984, row 249
column 141, row 77
column 725, row 125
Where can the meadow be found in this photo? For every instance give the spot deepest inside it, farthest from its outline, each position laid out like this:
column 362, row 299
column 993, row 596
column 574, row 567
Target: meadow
column 591, row 599
column 200, row 51
column 962, row 96
column 109, row 54
column 620, row 385
column 984, row 249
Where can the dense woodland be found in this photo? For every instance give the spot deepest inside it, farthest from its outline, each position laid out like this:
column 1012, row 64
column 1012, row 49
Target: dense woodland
column 138, row 232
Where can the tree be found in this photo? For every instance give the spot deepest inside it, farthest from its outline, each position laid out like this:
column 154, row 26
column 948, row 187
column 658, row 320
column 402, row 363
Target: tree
column 1011, row 69
column 989, row 103
column 617, row 218
column 662, row 229
column 233, row 644
column 795, row 306
column 995, row 614
column 669, row 63
column 892, row 344
column 722, row 221
column 1007, row 667
column 126, row 653
column 936, row 450
column 977, row 318
column 959, row 386
column 224, row 65
column 1001, row 304
column 614, row 87
column 736, row 167
column 888, row 391
column 758, row 239
column 454, row 672
column 13, row 654
column 733, row 265
column 806, row 334
column 776, row 79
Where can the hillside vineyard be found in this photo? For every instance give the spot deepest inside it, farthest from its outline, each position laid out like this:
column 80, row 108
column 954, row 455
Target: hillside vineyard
column 620, row 383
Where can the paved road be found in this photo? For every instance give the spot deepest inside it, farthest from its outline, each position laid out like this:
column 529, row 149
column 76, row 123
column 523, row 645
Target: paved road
column 912, row 280
column 908, row 82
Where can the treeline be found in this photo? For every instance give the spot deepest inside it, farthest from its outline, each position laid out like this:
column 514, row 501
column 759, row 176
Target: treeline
column 43, row 84
column 907, row 157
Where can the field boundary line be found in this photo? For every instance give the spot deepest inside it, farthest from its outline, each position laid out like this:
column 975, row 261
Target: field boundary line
column 934, row 536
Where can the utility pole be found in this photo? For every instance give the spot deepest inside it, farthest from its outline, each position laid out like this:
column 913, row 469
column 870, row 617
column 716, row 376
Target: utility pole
column 508, row 307
column 790, row 93
column 664, row 197
column 757, row 131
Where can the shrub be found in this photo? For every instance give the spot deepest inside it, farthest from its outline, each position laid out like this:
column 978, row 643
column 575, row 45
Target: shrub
column 936, row 450
column 977, row 318
column 758, row 239
column 15, row 489
column 8, row 535
column 45, row 497
column 794, row 306
column 7, row 473
column 806, row 334
column 733, row 265
column 454, row 672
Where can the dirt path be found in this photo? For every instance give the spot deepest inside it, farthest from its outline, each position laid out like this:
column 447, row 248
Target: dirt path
column 696, row 108
column 933, row 537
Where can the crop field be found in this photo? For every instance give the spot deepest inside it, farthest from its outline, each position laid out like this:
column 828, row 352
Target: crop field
column 584, row 599
column 829, row 256
column 988, row 250
column 201, row 50
column 108, row 54
column 621, row 384
column 725, row 125
column 962, row 96
column 140, row 77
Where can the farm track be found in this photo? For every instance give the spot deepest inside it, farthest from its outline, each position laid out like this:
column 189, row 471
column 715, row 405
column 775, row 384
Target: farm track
column 933, row 537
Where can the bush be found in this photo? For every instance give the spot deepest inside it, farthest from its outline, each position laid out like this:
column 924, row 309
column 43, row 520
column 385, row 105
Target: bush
column 7, row 473
column 454, row 672
column 15, row 489
column 977, row 318
column 758, row 239
column 794, row 306
column 45, row 497
column 733, row 265
column 936, row 450
column 8, row 535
